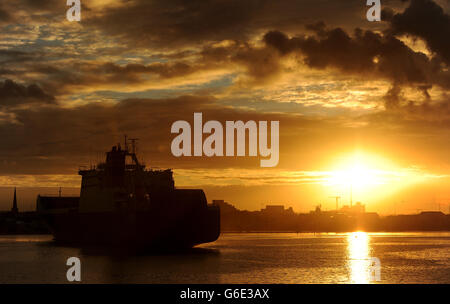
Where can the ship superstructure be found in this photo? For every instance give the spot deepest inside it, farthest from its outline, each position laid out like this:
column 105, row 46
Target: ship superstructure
column 123, row 203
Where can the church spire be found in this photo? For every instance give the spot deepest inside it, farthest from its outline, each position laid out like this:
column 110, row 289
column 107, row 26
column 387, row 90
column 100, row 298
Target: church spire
column 14, row 209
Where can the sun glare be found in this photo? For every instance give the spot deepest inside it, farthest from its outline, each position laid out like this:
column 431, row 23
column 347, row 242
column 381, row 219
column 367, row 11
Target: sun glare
column 359, row 257
column 358, row 176
column 365, row 177
column 359, row 172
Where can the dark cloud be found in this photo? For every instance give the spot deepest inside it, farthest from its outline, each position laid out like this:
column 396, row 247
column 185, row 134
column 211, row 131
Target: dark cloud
column 12, row 93
column 163, row 70
column 382, row 55
column 427, row 20
column 423, row 110
column 60, row 80
column 366, row 52
column 4, row 16
column 177, row 22
column 39, row 10
column 14, row 56
column 42, row 4
column 259, row 65
column 4, row 72
column 168, row 24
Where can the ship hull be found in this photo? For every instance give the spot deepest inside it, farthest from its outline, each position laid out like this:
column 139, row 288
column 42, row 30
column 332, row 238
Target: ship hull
column 142, row 230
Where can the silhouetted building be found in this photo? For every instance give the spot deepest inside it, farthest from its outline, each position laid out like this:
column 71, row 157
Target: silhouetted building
column 358, row 208
column 273, row 209
column 25, row 222
column 275, row 218
column 224, row 206
column 276, row 210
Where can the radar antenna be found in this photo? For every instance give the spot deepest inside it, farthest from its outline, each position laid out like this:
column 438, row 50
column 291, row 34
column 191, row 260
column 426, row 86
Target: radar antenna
column 133, row 145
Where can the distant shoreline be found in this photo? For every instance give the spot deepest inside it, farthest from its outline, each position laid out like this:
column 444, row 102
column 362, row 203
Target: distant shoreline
column 273, row 232
column 338, row 232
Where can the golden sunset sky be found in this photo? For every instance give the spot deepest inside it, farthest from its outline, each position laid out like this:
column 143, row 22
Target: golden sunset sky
column 361, row 105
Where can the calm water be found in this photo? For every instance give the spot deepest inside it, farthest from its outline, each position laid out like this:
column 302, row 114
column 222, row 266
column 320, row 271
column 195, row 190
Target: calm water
column 241, row 258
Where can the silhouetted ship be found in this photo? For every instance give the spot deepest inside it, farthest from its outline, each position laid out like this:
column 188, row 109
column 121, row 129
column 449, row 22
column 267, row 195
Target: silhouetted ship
column 123, row 204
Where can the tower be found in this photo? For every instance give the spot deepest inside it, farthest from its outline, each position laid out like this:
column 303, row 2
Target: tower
column 14, row 208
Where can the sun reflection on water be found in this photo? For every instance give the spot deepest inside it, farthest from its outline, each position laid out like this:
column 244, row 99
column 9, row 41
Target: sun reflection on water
column 359, row 260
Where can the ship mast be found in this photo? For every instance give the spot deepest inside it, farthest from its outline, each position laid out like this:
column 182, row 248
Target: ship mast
column 133, row 150
column 133, row 145
column 125, row 143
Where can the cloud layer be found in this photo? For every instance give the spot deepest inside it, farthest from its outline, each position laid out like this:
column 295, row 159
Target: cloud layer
column 334, row 80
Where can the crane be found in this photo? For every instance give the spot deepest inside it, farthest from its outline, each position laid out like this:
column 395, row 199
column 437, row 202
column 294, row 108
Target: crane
column 337, row 201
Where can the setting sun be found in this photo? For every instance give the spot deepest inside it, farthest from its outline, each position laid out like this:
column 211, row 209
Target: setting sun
column 361, row 176
column 358, row 172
